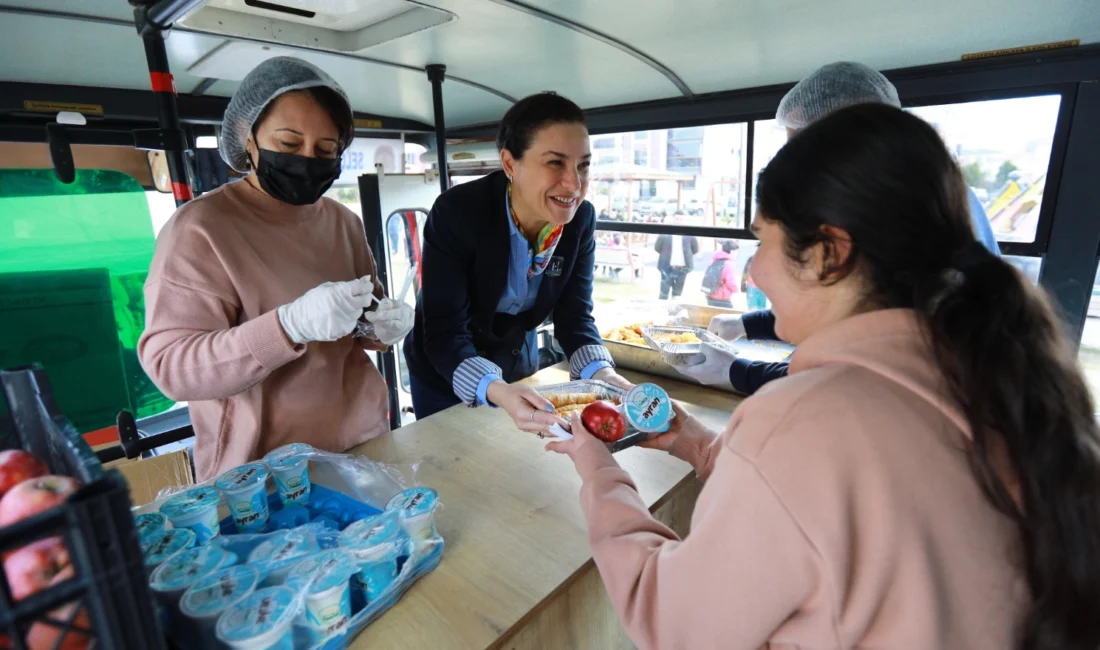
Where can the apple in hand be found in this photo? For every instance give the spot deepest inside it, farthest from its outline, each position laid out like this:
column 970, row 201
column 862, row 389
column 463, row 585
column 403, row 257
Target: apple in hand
column 34, row 496
column 17, row 466
column 33, row 567
column 603, row 420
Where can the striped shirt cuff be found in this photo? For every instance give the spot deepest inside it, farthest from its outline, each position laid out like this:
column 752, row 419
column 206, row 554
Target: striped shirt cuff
column 594, row 367
column 468, row 378
column 483, row 390
column 584, row 356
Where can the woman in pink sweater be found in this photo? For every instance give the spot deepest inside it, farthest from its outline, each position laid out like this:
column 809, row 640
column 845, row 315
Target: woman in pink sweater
column 724, row 284
column 256, row 288
column 926, row 477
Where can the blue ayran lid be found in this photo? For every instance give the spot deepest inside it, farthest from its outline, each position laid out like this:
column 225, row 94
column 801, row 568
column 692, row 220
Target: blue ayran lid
column 190, row 502
column 150, row 521
column 291, row 454
column 185, row 568
column 414, row 501
column 648, row 408
column 261, row 613
column 370, row 532
column 167, row 544
column 219, row 590
column 280, row 548
column 326, row 569
column 243, row 477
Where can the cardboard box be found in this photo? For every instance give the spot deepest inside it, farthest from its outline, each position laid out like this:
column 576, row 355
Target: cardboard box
column 148, row 476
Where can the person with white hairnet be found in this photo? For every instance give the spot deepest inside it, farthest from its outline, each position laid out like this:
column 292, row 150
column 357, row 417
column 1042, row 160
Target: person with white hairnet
column 257, row 288
column 828, row 89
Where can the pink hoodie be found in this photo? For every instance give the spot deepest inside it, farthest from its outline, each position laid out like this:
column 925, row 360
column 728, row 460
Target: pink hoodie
column 839, row 511
column 728, row 286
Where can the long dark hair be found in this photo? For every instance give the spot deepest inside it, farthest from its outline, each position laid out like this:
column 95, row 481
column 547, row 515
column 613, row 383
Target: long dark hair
column 885, row 178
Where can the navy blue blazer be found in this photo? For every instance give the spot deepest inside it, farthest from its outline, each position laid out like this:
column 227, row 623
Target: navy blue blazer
column 465, row 271
column 748, row 376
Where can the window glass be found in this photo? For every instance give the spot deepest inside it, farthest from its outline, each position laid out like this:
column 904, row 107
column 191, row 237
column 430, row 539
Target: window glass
column 685, row 149
column 73, row 263
column 1003, row 148
column 629, row 266
column 348, row 195
column 404, row 235
column 400, row 251
column 1088, row 354
column 691, row 133
column 698, row 172
column 364, row 155
column 1029, row 266
column 768, row 139
column 634, row 266
column 161, row 208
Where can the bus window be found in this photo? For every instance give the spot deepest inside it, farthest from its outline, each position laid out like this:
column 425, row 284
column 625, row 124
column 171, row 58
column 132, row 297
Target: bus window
column 650, row 176
column 1029, row 266
column 73, row 262
column 1088, row 354
column 1003, row 147
column 161, row 208
column 348, row 195
column 643, row 267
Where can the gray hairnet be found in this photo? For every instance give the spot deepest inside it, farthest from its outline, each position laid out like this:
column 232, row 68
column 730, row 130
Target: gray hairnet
column 265, row 83
column 831, row 88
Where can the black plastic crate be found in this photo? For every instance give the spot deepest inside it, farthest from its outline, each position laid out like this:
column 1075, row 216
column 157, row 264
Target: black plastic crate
column 110, row 584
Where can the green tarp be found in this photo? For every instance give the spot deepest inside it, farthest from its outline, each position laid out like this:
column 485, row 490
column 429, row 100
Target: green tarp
column 82, row 325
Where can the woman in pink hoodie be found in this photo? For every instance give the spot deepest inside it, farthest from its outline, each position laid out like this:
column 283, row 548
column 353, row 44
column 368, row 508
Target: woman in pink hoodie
column 720, row 278
column 926, row 477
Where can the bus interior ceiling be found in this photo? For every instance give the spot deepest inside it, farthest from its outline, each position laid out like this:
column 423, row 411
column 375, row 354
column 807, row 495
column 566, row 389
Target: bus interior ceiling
column 600, row 54
column 635, row 66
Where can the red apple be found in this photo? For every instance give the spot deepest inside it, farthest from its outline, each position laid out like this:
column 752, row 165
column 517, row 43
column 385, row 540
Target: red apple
column 34, row 496
column 604, row 420
column 33, row 567
column 44, row 636
column 17, row 466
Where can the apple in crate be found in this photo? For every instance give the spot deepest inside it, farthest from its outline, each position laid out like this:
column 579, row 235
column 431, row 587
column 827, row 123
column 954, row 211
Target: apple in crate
column 44, row 636
column 17, row 466
column 33, row 567
column 34, row 496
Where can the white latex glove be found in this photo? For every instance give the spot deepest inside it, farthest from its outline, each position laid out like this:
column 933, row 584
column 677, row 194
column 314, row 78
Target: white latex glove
column 392, row 320
column 714, row 369
column 326, row 312
column 727, row 326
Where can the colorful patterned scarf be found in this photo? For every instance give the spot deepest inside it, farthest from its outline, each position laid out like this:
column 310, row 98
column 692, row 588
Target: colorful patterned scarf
column 545, row 244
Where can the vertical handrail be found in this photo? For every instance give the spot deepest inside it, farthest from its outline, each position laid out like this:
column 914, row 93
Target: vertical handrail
column 151, row 25
column 436, row 74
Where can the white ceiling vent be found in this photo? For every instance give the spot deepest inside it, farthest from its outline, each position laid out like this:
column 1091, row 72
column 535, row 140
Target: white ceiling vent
column 337, row 25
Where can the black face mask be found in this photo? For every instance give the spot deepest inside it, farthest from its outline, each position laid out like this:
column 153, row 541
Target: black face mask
column 294, row 179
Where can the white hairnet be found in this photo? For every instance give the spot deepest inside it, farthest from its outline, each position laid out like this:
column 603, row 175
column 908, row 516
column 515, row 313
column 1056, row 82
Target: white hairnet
column 267, row 81
column 831, row 88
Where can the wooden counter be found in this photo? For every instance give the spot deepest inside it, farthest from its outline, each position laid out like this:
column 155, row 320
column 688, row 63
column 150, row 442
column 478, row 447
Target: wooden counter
column 517, row 571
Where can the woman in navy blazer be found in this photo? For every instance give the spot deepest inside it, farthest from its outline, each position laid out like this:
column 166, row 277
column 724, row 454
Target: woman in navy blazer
column 501, row 255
